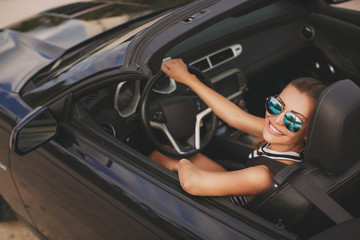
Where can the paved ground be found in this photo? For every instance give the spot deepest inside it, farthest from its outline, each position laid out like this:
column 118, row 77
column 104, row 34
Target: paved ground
column 12, row 11
column 11, row 228
column 15, row 230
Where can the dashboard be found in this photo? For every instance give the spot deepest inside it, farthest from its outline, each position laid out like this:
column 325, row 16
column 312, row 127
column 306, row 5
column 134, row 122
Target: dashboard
column 115, row 109
column 230, row 83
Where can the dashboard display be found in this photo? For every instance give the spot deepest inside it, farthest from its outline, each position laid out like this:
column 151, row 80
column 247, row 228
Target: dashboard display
column 127, row 97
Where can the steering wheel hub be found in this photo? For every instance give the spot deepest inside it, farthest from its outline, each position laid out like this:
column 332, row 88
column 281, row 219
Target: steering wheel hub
column 179, row 116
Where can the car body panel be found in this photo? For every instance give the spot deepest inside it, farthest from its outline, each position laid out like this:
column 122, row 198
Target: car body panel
column 80, row 21
column 86, row 196
column 98, row 61
column 91, row 199
column 83, row 184
column 71, row 210
column 11, row 111
column 30, row 54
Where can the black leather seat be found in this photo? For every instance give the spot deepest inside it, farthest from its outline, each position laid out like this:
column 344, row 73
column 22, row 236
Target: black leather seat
column 332, row 161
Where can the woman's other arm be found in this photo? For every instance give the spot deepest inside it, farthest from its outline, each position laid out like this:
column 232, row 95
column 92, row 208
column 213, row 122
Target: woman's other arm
column 245, row 182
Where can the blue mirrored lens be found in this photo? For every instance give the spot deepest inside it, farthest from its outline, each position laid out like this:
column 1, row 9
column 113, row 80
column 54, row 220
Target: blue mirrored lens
column 292, row 122
column 273, row 106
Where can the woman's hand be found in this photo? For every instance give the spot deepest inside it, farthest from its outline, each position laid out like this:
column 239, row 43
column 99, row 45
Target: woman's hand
column 177, row 70
column 189, row 174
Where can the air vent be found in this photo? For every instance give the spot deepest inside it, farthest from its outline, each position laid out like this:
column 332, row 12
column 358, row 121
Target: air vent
column 74, row 8
column 221, row 56
column 216, row 58
column 202, row 65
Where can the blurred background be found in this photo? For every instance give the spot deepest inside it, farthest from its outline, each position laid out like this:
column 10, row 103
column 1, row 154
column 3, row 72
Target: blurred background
column 12, row 11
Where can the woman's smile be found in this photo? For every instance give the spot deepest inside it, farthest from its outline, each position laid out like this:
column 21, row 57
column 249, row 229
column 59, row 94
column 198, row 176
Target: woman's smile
column 274, row 130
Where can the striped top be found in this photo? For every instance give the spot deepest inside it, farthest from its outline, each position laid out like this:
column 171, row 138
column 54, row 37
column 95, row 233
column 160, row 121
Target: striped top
column 265, row 152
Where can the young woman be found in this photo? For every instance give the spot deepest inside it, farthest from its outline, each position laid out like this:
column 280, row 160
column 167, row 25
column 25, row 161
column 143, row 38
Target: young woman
column 282, row 133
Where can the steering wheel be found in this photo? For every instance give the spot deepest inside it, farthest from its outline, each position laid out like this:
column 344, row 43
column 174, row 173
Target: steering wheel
column 179, row 116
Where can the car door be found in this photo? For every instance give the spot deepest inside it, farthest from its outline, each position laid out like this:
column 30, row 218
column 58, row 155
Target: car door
column 71, row 196
column 9, row 110
column 83, row 184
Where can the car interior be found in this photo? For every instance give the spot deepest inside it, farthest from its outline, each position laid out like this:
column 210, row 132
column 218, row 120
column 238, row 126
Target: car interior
column 245, row 58
column 243, row 63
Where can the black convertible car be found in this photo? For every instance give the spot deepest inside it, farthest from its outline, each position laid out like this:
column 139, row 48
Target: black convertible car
column 83, row 103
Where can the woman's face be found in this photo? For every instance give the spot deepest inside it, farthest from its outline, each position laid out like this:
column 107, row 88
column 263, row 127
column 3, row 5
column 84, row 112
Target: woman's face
column 275, row 131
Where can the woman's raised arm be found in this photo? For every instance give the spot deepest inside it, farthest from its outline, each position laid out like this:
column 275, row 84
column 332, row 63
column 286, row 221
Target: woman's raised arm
column 221, row 106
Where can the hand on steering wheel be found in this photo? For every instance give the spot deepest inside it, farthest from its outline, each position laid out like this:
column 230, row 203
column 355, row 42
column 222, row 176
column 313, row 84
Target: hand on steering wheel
column 179, row 117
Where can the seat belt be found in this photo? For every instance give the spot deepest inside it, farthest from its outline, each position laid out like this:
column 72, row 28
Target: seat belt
column 320, row 198
column 305, row 186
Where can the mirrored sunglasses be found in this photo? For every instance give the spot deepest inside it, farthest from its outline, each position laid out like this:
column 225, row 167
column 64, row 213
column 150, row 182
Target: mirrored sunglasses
column 291, row 121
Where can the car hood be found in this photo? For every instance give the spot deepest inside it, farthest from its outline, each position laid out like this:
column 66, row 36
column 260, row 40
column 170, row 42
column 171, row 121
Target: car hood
column 21, row 56
column 28, row 46
column 71, row 24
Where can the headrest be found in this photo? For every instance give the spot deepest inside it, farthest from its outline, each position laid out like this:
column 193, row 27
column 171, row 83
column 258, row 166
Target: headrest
column 333, row 139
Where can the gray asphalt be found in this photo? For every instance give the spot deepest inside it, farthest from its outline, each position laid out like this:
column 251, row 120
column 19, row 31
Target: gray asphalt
column 11, row 228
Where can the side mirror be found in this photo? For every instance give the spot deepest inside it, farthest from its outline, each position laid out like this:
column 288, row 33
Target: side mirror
column 36, row 128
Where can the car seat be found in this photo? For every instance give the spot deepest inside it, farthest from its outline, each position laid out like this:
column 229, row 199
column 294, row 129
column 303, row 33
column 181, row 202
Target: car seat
column 331, row 161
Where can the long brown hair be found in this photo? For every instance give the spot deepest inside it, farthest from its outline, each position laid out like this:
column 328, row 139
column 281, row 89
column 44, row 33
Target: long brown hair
column 306, row 85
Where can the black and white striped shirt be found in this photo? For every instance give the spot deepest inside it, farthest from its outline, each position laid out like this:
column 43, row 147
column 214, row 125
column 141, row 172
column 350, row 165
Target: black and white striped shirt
column 265, row 152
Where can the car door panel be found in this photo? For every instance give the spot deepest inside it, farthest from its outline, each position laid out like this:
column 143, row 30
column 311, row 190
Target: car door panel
column 65, row 205
column 146, row 192
column 72, row 195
